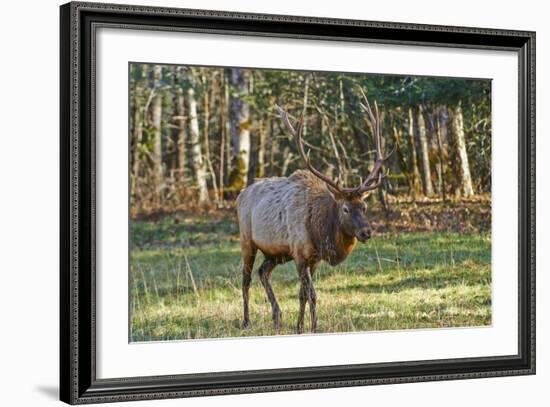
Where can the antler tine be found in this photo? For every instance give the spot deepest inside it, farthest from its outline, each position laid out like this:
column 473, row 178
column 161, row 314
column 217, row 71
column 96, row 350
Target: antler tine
column 298, row 136
column 374, row 179
column 367, row 108
column 284, row 116
column 378, row 138
column 375, row 175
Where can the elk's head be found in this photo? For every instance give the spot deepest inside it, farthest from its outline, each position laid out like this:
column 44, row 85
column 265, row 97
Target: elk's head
column 352, row 210
column 352, row 216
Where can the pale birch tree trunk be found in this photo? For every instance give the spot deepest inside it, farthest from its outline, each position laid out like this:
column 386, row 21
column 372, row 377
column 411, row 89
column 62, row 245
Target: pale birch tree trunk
column 459, row 143
column 423, row 138
column 206, row 142
column 182, row 134
column 157, row 132
column 240, row 127
column 197, row 160
column 206, row 121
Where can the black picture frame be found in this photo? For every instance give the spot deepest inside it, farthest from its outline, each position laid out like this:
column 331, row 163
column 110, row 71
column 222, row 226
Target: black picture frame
column 78, row 382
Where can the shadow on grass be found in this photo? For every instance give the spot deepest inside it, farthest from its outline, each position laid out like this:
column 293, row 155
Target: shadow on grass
column 396, row 282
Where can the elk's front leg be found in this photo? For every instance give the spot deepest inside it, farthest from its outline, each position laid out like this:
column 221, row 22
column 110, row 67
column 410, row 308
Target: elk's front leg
column 303, row 300
column 307, row 293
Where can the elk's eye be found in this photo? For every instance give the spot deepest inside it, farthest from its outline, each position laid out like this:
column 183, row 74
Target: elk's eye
column 345, row 209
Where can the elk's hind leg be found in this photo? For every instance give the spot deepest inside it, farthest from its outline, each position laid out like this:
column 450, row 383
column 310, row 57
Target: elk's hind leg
column 265, row 271
column 248, row 255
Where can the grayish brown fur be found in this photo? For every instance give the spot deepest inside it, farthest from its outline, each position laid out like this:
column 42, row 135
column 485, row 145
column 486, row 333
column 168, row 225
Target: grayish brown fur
column 296, row 218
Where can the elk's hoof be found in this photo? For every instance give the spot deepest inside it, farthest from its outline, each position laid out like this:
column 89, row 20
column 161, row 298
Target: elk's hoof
column 246, row 323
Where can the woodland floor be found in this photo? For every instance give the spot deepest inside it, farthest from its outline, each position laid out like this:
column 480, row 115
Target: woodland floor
column 427, row 266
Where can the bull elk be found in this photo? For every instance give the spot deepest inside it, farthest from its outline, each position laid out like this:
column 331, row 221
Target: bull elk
column 306, row 217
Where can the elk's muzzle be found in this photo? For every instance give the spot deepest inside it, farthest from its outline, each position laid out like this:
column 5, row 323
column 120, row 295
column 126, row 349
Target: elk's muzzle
column 364, row 234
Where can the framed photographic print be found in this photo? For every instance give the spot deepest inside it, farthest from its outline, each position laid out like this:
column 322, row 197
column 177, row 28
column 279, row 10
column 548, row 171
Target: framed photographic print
column 255, row 203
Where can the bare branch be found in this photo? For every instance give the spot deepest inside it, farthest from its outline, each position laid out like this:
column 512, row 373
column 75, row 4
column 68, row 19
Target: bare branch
column 298, row 136
column 374, row 179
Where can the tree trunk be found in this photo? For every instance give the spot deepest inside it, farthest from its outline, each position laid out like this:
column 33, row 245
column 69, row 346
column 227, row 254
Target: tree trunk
column 227, row 148
column 272, row 148
column 240, row 128
column 414, row 171
column 423, row 138
column 198, row 163
column 442, row 157
column 223, row 133
column 206, row 121
column 206, row 142
column 459, row 144
column 171, row 153
column 432, row 128
column 383, row 185
column 445, row 146
column 306, row 95
column 137, row 137
column 261, row 150
column 157, row 133
column 434, row 145
column 182, row 134
column 400, row 159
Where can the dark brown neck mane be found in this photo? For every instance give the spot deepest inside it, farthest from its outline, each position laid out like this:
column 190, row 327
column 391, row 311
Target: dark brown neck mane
column 331, row 243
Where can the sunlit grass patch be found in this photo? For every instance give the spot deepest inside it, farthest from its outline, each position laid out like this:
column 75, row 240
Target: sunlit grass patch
column 185, row 282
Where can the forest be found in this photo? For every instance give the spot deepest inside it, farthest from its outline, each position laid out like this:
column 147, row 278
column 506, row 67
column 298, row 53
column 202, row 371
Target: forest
column 199, row 135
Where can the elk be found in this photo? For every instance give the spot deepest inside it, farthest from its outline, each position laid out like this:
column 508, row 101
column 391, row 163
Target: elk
column 306, row 217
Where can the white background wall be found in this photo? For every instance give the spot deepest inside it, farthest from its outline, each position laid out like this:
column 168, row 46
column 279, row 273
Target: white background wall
column 29, row 163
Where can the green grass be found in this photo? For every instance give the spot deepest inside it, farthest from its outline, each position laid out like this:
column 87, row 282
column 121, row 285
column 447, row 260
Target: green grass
column 185, row 282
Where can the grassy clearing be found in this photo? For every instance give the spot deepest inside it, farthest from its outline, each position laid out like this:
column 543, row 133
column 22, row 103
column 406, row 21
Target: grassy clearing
column 185, row 278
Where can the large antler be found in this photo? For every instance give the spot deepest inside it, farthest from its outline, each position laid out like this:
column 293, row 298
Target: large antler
column 298, row 136
column 372, row 181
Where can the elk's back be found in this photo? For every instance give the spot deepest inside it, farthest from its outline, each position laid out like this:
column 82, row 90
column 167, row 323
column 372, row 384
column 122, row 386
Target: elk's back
column 273, row 213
